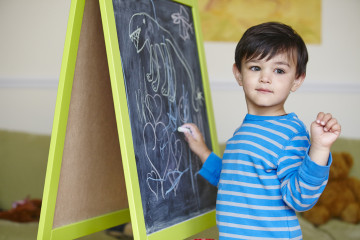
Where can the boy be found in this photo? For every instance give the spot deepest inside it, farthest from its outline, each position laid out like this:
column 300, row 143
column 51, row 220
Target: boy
column 269, row 168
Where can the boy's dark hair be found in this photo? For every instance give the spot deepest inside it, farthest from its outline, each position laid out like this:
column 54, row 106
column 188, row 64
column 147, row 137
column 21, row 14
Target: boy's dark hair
column 268, row 39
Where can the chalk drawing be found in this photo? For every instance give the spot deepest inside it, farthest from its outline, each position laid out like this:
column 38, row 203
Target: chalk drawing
column 182, row 19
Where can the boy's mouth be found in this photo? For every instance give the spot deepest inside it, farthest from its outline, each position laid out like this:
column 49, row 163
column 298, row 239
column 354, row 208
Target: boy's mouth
column 263, row 90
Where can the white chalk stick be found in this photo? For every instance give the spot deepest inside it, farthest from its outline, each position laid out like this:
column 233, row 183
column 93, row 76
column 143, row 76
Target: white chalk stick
column 184, row 129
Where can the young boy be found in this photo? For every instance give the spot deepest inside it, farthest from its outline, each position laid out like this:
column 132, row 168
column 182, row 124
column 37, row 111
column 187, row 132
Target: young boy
column 269, row 169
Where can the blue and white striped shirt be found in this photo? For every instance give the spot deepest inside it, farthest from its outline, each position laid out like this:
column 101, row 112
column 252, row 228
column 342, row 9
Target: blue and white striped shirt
column 265, row 176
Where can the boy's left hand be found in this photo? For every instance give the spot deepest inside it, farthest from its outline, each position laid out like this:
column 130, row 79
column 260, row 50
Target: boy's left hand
column 325, row 130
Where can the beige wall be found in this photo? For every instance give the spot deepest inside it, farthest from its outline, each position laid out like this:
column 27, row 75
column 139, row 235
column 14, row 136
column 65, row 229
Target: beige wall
column 31, row 45
column 332, row 83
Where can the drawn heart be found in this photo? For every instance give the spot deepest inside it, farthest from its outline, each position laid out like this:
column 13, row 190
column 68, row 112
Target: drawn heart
column 151, row 146
column 153, row 107
column 157, row 153
column 174, row 179
column 162, row 137
column 176, row 150
column 153, row 181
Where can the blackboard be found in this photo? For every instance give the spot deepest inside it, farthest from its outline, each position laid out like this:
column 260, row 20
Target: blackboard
column 164, row 89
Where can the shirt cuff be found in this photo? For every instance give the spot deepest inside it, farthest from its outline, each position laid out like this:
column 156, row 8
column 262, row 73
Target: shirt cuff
column 313, row 173
column 211, row 169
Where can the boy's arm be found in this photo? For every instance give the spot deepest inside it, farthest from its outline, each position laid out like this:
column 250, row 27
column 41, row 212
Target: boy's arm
column 211, row 169
column 302, row 180
column 324, row 131
column 303, row 169
column 196, row 141
column 211, row 162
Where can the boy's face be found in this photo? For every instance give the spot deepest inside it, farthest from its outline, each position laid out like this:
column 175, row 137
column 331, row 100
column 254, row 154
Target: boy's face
column 267, row 83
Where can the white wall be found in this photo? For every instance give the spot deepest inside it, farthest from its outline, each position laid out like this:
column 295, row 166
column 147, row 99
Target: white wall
column 31, row 45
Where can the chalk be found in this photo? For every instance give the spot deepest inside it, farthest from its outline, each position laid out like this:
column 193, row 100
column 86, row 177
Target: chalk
column 184, row 129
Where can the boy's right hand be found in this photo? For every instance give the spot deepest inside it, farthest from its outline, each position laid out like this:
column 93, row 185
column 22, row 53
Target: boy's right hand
column 196, row 141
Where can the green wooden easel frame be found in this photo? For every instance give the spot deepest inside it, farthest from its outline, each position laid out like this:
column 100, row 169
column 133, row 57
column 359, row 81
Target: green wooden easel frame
column 91, row 105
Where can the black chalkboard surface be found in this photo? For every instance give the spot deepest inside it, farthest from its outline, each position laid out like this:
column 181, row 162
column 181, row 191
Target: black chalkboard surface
column 164, row 89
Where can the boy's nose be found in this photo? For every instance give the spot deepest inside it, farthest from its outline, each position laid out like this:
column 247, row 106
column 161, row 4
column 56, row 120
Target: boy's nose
column 265, row 78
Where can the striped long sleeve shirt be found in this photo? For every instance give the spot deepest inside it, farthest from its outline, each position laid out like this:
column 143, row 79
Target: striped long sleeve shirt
column 265, row 175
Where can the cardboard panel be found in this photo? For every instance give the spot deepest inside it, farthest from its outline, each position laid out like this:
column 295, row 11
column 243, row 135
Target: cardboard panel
column 91, row 179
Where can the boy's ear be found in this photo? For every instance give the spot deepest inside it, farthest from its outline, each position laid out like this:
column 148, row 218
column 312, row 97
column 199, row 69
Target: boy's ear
column 297, row 82
column 237, row 74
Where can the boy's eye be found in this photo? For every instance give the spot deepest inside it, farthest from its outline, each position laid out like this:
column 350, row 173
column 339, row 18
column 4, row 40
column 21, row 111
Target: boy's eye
column 279, row 71
column 255, row 68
